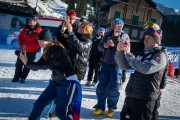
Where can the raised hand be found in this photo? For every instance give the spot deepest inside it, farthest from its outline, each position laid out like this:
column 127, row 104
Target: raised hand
column 69, row 27
column 127, row 47
column 120, row 46
column 108, row 44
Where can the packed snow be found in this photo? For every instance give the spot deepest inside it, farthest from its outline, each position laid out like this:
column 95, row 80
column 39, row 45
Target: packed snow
column 16, row 100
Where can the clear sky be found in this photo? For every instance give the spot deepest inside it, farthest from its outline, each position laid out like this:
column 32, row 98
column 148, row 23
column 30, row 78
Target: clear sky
column 169, row 3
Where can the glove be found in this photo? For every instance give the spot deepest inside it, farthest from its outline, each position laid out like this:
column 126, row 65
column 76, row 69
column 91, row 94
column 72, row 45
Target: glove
column 17, row 52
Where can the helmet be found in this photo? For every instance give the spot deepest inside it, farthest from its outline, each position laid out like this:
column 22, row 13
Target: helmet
column 153, row 30
column 101, row 29
column 118, row 21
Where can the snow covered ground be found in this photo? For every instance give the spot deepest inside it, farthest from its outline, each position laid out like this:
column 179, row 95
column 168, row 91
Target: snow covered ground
column 16, row 100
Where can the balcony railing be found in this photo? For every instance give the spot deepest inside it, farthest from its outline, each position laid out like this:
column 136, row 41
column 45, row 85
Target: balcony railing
column 129, row 21
column 104, row 20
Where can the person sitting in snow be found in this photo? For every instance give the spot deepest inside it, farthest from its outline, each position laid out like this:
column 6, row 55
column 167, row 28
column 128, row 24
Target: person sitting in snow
column 63, row 86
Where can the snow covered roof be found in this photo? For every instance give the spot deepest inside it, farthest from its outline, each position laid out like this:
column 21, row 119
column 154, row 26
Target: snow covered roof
column 48, row 8
column 15, row 10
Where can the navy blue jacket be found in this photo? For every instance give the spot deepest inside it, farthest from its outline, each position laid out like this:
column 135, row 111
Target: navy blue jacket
column 94, row 50
column 109, row 53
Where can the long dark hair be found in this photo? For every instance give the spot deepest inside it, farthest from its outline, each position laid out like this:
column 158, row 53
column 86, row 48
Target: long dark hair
column 47, row 49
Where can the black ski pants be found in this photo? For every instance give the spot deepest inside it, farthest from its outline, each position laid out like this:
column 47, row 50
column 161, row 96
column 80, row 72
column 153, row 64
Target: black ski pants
column 94, row 66
column 137, row 109
column 21, row 71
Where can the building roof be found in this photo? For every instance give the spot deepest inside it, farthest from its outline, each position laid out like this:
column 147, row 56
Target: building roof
column 151, row 3
column 113, row 2
column 8, row 8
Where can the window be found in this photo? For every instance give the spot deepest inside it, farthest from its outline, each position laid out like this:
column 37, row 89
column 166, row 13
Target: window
column 134, row 33
column 117, row 14
column 141, row 34
column 135, row 19
column 126, row 30
column 153, row 20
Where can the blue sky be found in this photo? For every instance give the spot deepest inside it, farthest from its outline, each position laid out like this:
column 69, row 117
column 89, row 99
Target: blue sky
column 169, row 3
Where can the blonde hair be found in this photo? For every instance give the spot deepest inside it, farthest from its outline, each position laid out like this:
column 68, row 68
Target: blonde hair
column 88, row 29
column 47, row 49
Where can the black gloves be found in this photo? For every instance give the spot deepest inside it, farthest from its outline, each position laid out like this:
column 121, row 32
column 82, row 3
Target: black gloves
column 17, row 52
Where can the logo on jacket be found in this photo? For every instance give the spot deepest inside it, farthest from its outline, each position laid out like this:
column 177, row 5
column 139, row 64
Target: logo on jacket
column 139, row 57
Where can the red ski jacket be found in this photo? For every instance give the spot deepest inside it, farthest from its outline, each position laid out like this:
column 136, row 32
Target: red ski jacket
column 28, row 37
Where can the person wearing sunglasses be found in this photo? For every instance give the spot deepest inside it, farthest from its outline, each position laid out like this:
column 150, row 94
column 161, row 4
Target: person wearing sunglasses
column 107, row 88
column 121, row 74
column 27, row 40
column 144, row 86
column 164, row 78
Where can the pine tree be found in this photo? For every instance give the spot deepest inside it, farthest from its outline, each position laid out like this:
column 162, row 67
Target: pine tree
column 71, row 4
column 81, row 7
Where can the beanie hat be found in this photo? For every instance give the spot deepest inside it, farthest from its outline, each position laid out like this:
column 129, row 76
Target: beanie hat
column 101, row 29
column 45, row 35
column 153, row 30
column 151, row 25
column 71, row 13
column 118, row 21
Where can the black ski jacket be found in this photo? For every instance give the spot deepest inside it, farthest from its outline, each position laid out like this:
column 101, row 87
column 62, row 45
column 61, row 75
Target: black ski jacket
column 57, row 61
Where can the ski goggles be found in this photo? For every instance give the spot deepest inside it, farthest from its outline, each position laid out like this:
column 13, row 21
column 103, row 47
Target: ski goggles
column 100, row 29
column 152, row 32
column 118, row 22
column 31, row 19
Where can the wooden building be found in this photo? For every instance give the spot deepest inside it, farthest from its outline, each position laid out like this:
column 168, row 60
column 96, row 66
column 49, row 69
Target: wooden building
column 135, row 13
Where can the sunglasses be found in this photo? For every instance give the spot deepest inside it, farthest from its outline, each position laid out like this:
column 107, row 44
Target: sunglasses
column 30, row 19
column 151, row 31
column 118, row 22
column 115, row 22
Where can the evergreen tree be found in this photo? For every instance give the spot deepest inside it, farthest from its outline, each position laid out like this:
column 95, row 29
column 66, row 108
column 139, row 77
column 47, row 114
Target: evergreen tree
column 81, row 7
column 170, row 27
column 71, row 4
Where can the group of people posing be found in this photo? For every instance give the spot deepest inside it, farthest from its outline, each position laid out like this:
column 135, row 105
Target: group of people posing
column 67, row 52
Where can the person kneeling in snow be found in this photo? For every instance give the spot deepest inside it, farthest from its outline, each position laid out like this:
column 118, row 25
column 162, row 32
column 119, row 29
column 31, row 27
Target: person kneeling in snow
column 67, row 91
